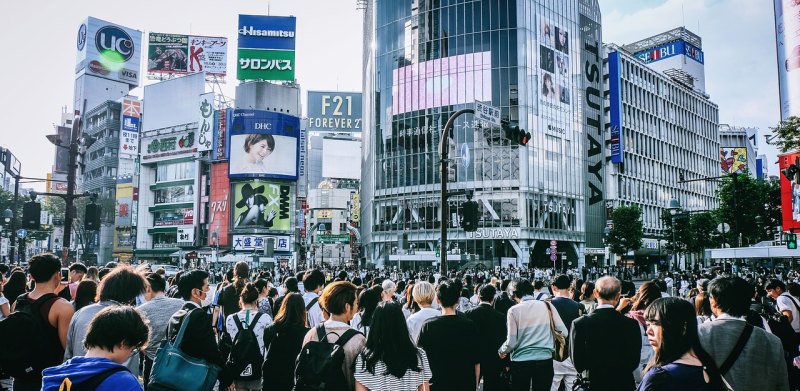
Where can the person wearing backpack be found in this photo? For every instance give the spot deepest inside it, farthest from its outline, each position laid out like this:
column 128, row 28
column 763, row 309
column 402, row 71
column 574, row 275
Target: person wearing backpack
column 246, row 329
column 313, row 281
column 283, row 341
column 330, row 349
column 38, row 324
column 788, row 305
column 114, row 334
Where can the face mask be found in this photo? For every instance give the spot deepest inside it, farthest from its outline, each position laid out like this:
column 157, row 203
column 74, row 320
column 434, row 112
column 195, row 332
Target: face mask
column 205, row 302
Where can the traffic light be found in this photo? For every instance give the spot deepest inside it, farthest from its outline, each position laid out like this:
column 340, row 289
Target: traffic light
column 91, row 220
column 791, row 241
column 469, row 216
column 31, row 215
column 792, row 172
column 516, row 135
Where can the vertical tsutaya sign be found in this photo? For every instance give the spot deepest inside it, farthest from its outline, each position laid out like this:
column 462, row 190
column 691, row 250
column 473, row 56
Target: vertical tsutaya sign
column 129, row 129
column 615, row 105
column 266, row 47
column 787, row 25
column 123, row 222
column 334, row 111
column 109, row 51
column 205, row 122
column 591, row 62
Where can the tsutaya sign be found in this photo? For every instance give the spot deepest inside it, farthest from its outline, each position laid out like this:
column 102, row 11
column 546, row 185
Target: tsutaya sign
column 494, row 233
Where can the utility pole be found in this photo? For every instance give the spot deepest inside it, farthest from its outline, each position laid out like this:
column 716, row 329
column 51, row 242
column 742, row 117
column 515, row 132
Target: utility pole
column 444, row 153
column 69, row 198
column 14, row 221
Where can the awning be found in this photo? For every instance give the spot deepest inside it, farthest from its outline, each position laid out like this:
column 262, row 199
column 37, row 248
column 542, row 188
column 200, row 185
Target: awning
column 163, row 230
column 164, row 185
column 155, row 252
column 178, row 205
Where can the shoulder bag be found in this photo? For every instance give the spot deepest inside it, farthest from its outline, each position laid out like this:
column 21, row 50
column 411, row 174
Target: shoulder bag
column 560, row 352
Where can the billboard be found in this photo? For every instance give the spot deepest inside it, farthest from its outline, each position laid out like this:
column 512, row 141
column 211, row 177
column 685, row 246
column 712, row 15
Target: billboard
column 62, row 154
column 257, row 242
column 124, row 233
column 555, row 77
column 184, row 54
column 129, row 129
column 334, row 111
column 263, row 205
column 266, row 47
column 787, row 25
column 263, row 144
column 205, row 122
column 615, row 105
column 667, row 50
column 341, row 158
column 447, row 81
column 109, row 51
column 221, row 119
column 219, row 205
column 790, row 194
column 733, row 160
column 162, row 147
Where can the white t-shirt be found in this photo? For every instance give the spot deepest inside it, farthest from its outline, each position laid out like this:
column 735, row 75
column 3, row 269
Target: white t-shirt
column 416, row 320
column 315, row 312
column 263, row 322
column 3, row 300
column 785, row 303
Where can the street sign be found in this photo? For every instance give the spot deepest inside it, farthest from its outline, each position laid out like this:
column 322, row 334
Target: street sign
column 723, row 227
column 553, row 256
column 487, row 113
column 553, row 243
column 21, row 233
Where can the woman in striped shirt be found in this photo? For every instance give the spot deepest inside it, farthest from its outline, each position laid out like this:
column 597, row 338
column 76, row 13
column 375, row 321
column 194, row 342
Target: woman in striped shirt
column 390, row 361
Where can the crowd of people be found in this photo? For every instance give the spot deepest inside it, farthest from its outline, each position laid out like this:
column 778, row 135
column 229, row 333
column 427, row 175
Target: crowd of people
column 122, row 327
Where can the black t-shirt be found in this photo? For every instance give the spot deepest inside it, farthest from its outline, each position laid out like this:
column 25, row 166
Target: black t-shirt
column 447, row 341
column 229, row 300
column 568, row 310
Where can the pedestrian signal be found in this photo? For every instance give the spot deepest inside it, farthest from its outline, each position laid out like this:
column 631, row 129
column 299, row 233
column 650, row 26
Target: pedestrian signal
column 31, row 215
column 791, row 241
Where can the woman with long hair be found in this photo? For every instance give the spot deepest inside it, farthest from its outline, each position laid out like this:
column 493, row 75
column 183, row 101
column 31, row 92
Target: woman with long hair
column 390, row 361
column 248, row 318
column 410, row 306
column 92, row 273
column 647, row 294
column 283, row 341
column 85, row 294
column 679, row 361
column 368, row 299
column 588, row 301
column 702, row 306
column 15, row 286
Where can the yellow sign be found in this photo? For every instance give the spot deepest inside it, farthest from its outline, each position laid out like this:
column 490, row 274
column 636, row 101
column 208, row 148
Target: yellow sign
column 355, row 212
column 324, row 213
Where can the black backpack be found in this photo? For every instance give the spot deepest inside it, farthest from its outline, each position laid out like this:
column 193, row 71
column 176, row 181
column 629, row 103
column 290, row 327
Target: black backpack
column 319, row 365
column 27, row 340
column 245, row 359
column 782, row 328
column 91, row 383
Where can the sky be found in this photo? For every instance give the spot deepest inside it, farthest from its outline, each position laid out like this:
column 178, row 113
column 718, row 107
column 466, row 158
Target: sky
column 37, row 73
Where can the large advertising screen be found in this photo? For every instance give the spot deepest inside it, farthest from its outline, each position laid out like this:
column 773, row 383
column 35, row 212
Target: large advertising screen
column 334, row 111
column 183, row 54
column 266, row 47
column 263, row 144
column 733, row 160
column 124, row 235
column 447, row 81
column 263, row 205
column 109, row 51
column 787, row 24
column 790, row 194
column 555, row 80
column 341, row 158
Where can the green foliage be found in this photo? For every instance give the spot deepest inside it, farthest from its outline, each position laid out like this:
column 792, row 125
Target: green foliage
column 788, row 135
column 750, row 206
column 627, row 232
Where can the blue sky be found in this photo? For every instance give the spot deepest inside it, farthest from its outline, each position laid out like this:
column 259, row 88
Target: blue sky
column 37, row 71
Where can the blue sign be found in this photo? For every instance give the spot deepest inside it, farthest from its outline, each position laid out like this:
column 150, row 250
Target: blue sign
column 130, row 124
column 267, row 32
column 671, row 49
column 263, row 144
column 615, row 94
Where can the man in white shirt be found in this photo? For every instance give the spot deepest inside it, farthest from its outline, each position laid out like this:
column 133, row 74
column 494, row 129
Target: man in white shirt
column 787, row 304
column 423, row 294
column 313, row 281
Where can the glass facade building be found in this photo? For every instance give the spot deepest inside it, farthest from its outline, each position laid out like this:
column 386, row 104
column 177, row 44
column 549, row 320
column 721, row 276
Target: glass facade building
column 540, row 63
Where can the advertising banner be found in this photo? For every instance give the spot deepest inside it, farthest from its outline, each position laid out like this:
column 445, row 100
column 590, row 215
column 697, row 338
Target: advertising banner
column 109, row 51
column 62, row 154
column 355, row 209
column 675, row 48
column 733, row 160
column 219, row 205
column 129, row 129
column 263, row 205
column 266, row 47
column 790, row 194
column 167, row 53
column 264, row 144
column 329, row 238
column 186, row 235
column 615, row 105
column 160, row 147
column 209, row 55
column 183, row 216
column 257, row 242
column 787, row 25
column 555, row 78
column 123, row 230
column 221, row 119
column 334, row 111
column 205, row 122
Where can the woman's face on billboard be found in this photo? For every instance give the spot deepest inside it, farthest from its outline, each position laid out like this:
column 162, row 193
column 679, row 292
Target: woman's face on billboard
column 259, row 151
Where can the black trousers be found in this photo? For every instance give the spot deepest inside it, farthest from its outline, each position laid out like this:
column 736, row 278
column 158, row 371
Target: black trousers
column 146, row 369
column 532, row 375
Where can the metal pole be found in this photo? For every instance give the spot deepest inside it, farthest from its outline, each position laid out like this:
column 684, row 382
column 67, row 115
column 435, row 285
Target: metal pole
column 69, row 198
column 13, row 232
column 444, row 209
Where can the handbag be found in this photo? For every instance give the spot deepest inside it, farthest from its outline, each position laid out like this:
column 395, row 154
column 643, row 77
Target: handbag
column 175, row 370
column 560, row 352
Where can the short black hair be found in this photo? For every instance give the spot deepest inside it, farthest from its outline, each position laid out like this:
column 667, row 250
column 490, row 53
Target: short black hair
column 78, row 267
column 191, row 280
column 561, row 282
column 732, row 295
column 43, row 266
column 487, row 292
column 157, row 282
column 772, row 284
column 116, row 325
column 523, row 288
column 122, row 285
column 313, row 279
column 291, row 284
column 448, row 293
column 538, row 284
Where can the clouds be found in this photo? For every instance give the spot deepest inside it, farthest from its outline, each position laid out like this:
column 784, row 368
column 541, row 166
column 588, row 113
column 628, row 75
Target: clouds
column 739, row 46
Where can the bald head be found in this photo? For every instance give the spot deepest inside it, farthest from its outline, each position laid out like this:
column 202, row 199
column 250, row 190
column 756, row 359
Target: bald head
column 607, row 289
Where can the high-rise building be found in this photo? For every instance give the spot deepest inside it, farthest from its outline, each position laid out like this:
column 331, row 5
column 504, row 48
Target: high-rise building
column 540, row 63
column 662, row 131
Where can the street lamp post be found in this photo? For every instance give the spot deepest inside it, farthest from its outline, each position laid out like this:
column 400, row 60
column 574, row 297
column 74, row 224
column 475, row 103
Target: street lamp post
column 674, row 207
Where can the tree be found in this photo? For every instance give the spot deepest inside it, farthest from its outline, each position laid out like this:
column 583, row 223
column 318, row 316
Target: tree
column 679, row 241
column 751, row 207
column 627, row 232
column 788, row 135
column 703, row 228
column 57, row 207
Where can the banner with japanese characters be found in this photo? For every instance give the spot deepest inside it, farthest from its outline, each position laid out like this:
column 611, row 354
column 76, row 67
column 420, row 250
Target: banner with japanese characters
column 209, row 55
column 266, row 47
column 182, row 54
column 257, row 242
column 205, row 122
column 129, row 129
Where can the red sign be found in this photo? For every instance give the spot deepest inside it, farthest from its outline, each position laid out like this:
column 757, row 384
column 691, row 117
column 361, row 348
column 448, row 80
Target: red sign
column 790, row 194
column 219, row 207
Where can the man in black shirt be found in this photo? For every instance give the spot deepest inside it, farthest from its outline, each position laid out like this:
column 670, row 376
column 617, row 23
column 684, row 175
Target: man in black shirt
column 449, row 342
column 491, row 326
column 504, row 301
column 568, row 310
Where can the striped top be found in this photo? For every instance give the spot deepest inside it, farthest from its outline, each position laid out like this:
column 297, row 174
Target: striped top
column 380, row 381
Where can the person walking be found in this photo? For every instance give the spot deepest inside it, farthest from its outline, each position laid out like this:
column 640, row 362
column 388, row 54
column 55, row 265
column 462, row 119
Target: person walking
column 158, row 310
column 423, row 294
column 390, row 361
column 568, row 310
column 249, row 318
column 282, row 342
column 313, row 282
column 491, row 326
